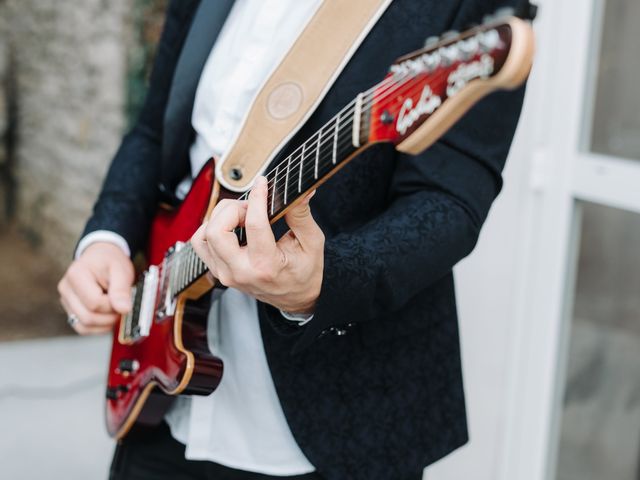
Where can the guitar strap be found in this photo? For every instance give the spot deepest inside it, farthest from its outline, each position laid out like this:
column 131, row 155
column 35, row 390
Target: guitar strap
column 297, row 86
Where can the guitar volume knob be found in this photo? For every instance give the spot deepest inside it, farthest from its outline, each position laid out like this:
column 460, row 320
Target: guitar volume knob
column 112, row 393
column 128, row 366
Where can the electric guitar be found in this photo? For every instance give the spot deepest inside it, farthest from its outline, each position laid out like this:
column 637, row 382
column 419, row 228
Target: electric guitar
column 160, row 349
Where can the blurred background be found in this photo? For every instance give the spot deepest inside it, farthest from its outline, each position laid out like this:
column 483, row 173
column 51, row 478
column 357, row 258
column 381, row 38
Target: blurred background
column 549, row 301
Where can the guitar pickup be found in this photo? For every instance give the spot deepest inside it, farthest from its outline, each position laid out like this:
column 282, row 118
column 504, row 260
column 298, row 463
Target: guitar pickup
column 148, row 302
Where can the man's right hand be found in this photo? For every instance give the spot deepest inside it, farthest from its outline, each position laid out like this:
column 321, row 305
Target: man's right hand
column 96, row 288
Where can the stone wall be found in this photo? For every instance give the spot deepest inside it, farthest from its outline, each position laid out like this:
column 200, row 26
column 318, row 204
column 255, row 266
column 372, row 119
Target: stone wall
column 6, row 136
column 75, row 67
column 70, row 62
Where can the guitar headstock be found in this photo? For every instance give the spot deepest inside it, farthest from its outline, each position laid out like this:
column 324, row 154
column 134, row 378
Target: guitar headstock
column 427, row 91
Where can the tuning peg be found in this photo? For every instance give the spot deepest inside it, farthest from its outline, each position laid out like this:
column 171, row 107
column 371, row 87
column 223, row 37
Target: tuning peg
column 450, row 35
column 469, row 47
column 431, row 41
column 488, row 18
column 450, row 54
column 489, row 40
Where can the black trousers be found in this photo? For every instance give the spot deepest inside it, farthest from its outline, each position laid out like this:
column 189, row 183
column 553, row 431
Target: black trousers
column 153, row 454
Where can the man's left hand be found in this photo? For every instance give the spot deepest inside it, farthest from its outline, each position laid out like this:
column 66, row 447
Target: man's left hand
column 286, row 274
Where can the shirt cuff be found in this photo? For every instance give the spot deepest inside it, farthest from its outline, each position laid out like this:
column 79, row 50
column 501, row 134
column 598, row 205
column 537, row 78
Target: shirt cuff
column 102, row 236
column 300, row 318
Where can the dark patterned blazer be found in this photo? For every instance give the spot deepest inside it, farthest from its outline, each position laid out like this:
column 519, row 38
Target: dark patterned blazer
column 385, row 399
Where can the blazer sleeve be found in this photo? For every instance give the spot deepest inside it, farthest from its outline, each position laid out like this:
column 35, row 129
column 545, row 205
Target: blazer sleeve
column 438, row 203
column 129, row 195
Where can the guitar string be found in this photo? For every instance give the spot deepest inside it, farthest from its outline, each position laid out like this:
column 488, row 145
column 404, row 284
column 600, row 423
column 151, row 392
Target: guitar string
column 293, row 162
column 363, row 101
column 326, row 156
column 377, row 95
column 369, row 102
column 188, row 250
column 432, row 81
column 374, row 93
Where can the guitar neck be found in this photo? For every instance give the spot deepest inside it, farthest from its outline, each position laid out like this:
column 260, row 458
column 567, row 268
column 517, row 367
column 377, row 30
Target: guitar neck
column 309, row 165
column 421, row 97
column 312, row 163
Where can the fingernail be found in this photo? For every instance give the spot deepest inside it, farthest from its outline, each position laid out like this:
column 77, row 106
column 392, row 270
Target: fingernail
column 122, row 303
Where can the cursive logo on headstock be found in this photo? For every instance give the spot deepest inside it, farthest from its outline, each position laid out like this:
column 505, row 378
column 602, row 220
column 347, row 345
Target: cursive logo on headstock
column 461, row 76
column 410, row 114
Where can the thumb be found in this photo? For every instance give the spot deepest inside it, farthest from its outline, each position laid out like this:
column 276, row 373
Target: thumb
column 301, row 222
column 121, row 278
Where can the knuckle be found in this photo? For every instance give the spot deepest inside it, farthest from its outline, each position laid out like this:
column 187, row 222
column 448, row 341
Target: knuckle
column 252, row 224
column 209, row 229
column 263, row 269
column 61, row 287
column 241, row 278
column 88, row 321
column 213, row 237
column 198, row 248
column 74, row 269
column 224, row 278
column 222, row 204
column 283, row 260
column 92, row 304
column 213, row 270
column 265, row 275
column 127, row 266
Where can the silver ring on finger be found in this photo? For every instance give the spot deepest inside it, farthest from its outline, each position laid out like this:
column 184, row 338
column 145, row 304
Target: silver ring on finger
column 73, row 320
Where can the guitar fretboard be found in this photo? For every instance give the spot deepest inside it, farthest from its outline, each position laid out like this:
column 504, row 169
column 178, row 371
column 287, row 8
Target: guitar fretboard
column 290, row 179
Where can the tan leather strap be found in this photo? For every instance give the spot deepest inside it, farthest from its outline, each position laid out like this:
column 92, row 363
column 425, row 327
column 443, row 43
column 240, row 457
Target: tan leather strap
column 296, row 87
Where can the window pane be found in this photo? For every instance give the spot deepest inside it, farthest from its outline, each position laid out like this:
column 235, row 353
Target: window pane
column 616, row 118
column 600, row 429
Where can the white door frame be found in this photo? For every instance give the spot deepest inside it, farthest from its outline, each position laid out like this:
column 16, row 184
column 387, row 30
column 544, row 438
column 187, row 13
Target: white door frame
column 563, row 174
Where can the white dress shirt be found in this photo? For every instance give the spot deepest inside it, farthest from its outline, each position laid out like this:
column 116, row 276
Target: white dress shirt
column 241, row 425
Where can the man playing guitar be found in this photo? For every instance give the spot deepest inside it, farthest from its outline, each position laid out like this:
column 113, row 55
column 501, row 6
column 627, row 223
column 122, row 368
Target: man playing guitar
column 338, row 329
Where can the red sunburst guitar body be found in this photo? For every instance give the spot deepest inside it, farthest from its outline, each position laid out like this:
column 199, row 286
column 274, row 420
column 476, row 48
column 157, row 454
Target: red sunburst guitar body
column 174, row 356
column 160, row 349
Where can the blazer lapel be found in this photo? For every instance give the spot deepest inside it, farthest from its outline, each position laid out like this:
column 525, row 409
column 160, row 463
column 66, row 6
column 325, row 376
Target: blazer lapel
column 206, row 26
